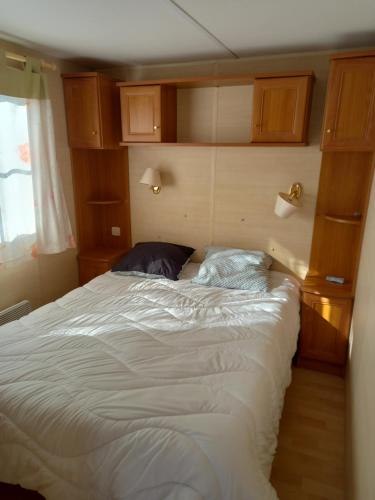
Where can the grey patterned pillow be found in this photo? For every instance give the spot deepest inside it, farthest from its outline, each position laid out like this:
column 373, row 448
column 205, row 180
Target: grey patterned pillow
column 233, row 268
column 256, row 257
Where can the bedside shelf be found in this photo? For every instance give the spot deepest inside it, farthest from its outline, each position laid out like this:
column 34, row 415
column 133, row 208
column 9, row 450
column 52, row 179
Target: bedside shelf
column 344, row 219
column 104, row 202
column 320, row 286
column 102, row 253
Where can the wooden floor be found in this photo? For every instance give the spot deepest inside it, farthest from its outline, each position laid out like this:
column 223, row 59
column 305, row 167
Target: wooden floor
column 309, row 463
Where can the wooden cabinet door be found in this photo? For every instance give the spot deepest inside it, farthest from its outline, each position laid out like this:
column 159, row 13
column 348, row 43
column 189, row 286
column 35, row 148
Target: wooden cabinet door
column 349, row 122
column 281, row 109
column 325, row 328
column 82, row 112
column 141, row 113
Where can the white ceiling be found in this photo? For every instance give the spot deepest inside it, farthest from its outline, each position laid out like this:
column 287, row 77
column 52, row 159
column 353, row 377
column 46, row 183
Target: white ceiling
column 155, row 31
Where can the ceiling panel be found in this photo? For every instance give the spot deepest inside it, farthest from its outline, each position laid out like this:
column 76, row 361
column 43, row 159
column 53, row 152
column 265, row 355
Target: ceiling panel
column 153, row 31
column 118, row 31
column 250, row 27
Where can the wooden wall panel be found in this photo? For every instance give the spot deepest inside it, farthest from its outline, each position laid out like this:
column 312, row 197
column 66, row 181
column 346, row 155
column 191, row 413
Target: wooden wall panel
column 225, row 196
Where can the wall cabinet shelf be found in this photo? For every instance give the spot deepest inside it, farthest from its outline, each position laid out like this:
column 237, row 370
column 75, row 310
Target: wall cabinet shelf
column 218, row 144
column 161, row 111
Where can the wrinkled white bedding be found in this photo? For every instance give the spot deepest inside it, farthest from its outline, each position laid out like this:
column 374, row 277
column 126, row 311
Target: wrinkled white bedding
column 141, row 389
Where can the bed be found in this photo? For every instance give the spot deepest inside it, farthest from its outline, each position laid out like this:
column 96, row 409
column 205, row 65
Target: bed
column 139, row 389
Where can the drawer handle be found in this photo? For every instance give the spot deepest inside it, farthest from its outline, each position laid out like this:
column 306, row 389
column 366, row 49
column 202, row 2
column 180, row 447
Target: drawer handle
column 156, row 127
column 94, row 132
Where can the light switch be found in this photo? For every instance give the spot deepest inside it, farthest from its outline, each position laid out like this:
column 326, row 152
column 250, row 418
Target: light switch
column 116, row 231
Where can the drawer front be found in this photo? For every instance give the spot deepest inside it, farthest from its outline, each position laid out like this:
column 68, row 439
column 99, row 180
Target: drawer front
column 88, row 270
column 325, row 328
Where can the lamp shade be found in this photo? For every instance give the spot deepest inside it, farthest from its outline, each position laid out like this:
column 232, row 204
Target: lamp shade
column 151, row 177
column 285, row 206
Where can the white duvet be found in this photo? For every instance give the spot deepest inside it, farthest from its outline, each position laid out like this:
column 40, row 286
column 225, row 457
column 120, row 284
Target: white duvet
column 141, row 389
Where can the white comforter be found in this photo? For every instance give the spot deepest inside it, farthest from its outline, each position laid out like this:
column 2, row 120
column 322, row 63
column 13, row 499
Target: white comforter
column 147, row 390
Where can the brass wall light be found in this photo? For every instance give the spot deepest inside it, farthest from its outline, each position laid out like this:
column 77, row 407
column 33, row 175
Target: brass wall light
column 288, row 203
column 151, row 177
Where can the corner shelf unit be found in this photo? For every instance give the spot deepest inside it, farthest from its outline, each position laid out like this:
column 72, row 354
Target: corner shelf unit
column 344, row 188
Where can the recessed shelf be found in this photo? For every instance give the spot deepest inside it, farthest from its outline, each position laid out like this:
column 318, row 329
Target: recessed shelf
column 344, row 219
column 320, row 286
column 104, row 202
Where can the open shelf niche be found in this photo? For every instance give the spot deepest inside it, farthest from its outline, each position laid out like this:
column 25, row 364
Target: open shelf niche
column 344, row 187
column 102, row 201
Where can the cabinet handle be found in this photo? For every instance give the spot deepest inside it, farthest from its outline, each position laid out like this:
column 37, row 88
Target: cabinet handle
column 328, row 130
column 94, row 132
column 156, row 127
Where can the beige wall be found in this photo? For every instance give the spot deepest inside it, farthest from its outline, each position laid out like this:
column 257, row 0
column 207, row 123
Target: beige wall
column 50, row 276
column 226, row 195
column 361, row 373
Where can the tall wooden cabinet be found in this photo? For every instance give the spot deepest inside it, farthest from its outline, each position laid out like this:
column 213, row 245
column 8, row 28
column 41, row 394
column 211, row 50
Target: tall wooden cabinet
column 344, row 189
column 349, row 121
column 100, row 171
column 92, row 111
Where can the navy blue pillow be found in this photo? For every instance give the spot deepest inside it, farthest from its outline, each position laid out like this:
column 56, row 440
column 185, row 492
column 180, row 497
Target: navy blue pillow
column 154, row 260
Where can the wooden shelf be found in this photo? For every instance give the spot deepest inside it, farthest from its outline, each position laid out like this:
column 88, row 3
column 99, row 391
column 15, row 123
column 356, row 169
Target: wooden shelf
column 104, row 202
column 320, row 286
column 218, row 144
column 213, row 80
column 344, row 219
column 102, row 253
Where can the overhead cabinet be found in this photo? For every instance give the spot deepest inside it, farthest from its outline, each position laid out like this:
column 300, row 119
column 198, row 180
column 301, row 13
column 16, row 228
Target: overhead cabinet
column 148, row 113
column 92, row 111
column 281, row 109
column 349, row 122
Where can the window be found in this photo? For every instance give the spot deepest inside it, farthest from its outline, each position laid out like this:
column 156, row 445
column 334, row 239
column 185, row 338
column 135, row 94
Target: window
column 17, row 214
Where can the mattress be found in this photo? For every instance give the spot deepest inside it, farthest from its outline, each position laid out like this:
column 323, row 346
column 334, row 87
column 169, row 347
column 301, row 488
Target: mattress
column 139, row 389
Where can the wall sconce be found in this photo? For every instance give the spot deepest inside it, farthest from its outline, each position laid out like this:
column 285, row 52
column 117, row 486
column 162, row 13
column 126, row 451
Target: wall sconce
column 288, row 203
column 151, row 177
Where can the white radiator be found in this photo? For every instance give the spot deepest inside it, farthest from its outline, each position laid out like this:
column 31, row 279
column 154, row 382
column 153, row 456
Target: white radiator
column 15, row 312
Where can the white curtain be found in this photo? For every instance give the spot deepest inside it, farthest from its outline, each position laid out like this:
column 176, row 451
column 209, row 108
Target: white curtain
column 33, row 214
